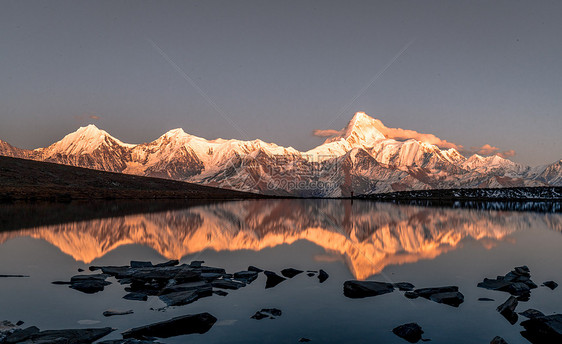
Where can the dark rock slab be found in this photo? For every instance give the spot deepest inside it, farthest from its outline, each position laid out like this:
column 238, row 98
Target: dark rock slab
column 404, row 286
column 70, row 336
column 322, row 276
column 246, row 276
column 89, row 284
column 311, row 274
column 485, row 299
column 427, row 292
column 196, row 263
column 516, row 282
column 271, row 313
column 80, row 270
column 507, row 309
column 180, row 298
column 493, row 284
column 227, row 284
column 128, row 341
column 136, row 297
column 498, row 340
column 253, row 268
column 304, row 340
column 187, row 324
column 550, row 284
column 545, row 329
column 13, row 276
column 361, row 289
column 201, row 286
column 172, row 262
column 21, row 335
column 411, row 295
column 139, row 264
column 220, row 292
column 531, row 313
column 273, row 279
column 453, row 298
column 290, row 272
column 411, row 332
column 113, row 312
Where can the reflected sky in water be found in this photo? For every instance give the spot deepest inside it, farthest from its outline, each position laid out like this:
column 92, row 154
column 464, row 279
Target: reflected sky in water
column 364, row 240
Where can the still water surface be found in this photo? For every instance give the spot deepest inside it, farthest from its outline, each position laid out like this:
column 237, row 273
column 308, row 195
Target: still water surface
column 361, row 240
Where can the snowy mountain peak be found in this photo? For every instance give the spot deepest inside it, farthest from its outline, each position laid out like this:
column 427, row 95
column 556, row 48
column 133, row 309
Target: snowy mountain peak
column 178, row 132
column 362, row 129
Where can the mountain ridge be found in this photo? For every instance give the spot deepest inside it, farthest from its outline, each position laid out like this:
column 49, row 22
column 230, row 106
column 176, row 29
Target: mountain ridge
column 361, row 158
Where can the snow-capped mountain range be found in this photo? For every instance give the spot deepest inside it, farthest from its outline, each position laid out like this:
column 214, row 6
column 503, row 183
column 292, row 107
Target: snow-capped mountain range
column 361, row 159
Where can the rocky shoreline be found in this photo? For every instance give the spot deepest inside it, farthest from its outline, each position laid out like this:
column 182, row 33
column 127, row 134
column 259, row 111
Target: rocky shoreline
column 178, row 285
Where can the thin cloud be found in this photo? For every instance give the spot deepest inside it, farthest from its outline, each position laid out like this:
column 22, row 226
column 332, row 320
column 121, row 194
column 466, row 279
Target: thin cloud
column 406, row 134
column 491, row 150
column 94, row 117
column 507, row 153
column 326, row 132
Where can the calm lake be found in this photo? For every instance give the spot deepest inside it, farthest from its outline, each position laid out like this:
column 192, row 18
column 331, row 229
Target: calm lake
column 426, row 246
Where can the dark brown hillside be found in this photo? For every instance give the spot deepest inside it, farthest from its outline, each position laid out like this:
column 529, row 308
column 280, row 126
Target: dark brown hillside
column 32, row 180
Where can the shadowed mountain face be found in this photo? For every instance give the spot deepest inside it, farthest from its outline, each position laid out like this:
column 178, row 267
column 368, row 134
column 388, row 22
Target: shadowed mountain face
column 368, row 236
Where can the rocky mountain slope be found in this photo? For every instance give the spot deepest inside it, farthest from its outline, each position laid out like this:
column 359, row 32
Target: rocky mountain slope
column 360, row 159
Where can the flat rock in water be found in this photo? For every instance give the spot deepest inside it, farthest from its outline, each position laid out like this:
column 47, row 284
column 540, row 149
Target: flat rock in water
column 310, row 274
column 304, row 340
column 73, row 336
column 485, row 299
column 172, row 262
column 507, row 309
column 138, row 264
column 404, row 286
column 136, row 297
column 273, row 279
column 545, row 329
column 20, row 335
column 531, row 313
column 271, row 313
column 516, row 282
column 112, row 312
column 253, row 268
column 360, row 289
column 180, row 298
column 453, row 298
column 89, row 284
column 498, row 340
column 550, row 284
column 322, row 276
column 246, row 276
column 411, row 332
column 227, row 284
column 411, row 295
column 187, row 324
column 201, row 286
column 290, row 272
column 427, row 292
column 220, row 292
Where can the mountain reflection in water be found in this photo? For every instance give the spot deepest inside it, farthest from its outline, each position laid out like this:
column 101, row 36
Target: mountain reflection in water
column 368, row 235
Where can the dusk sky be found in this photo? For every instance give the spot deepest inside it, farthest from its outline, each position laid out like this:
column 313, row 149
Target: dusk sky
column 469, row 72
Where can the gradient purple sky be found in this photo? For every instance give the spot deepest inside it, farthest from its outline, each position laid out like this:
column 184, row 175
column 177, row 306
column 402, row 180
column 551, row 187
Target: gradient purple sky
column 473, row 73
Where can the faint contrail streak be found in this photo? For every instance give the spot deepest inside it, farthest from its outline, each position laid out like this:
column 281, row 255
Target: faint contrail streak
column 199, row 90
column 371, row 82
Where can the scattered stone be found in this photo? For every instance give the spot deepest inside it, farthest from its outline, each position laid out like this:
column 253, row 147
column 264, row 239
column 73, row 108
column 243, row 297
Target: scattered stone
column 271, row 313
column 411, row 295
column 253, row 268
column 448, row 295
column 404, row 286
column 80, row 270
column 89, row 284
column 10, row 276
column 273, row 279
column 498, row 340
column 304, row 340
column 187, row 324
column 20, row 335
column 507, row 309
column 310, row 274
column 411, row 332
column 112, row 312
column 74, row 336
column 550, row 284
column 172, row 262
column 227, row 284
column 516, row 282
column 19, row 323
column 180, row 298
column 220, row 292
column 136, row 297
column 196, row 263
column 361, row 289
column 138, row 264
column 545, row 329
column 246, row 276
column 532, row 313
column 323, row 276
column 290, row 272
column 485, row 299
